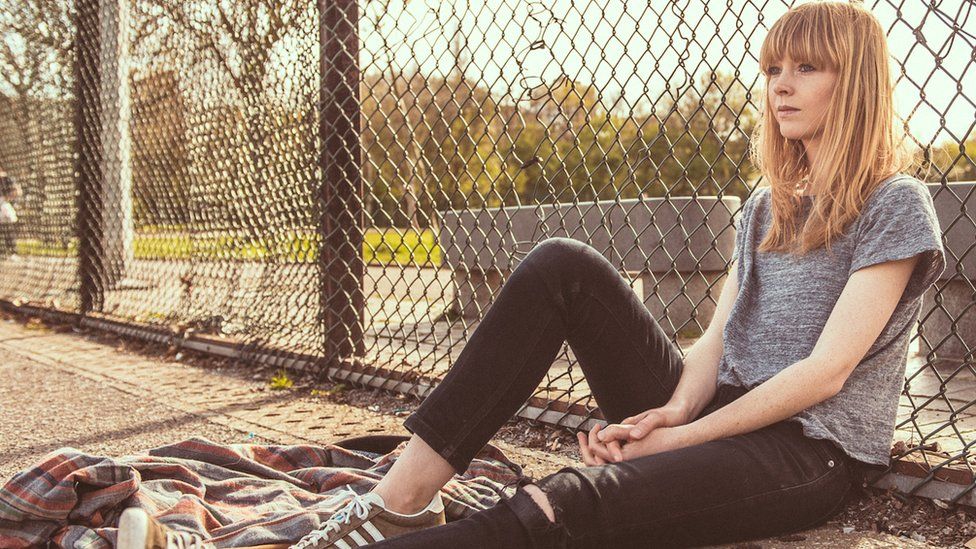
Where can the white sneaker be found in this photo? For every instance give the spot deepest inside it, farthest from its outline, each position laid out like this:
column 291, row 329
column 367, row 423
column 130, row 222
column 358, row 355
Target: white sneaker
column 138, row 530
column 364, row 519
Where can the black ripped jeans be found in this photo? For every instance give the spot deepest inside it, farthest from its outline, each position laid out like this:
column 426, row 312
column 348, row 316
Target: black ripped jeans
column 767, row 482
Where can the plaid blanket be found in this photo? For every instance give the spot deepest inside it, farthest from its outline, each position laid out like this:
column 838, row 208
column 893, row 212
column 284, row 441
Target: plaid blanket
column 235, row 495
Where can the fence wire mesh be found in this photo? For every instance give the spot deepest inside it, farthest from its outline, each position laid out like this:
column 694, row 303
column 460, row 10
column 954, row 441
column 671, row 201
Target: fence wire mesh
column 347, row 185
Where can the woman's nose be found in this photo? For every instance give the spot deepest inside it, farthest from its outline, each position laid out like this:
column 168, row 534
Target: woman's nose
column 782, row 87
column 783, row 84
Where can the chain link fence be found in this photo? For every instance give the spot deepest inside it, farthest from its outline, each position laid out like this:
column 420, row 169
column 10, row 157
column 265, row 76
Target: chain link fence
column 344, row 187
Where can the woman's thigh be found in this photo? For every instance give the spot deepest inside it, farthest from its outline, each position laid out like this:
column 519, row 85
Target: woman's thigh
column 767, row 482
column 563, row 291
column 629, row 361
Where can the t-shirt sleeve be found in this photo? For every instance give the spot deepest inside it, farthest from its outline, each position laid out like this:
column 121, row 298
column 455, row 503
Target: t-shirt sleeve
column 739, row 222
column 899, row 223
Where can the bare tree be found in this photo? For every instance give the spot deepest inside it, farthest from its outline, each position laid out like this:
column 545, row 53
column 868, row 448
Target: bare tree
column 237, row 39
column 35, row 46
column 35, row 66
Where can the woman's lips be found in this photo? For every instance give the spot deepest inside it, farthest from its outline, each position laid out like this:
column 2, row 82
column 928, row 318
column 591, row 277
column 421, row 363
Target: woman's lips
column 787, row 112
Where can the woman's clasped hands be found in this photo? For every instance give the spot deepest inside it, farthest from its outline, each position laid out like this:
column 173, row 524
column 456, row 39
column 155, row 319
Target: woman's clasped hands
column 650, row 432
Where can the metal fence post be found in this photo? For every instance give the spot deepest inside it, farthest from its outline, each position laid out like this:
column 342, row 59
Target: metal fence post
column 116, row 190
column 341, row 221
column 88, row 155
column 104, row 224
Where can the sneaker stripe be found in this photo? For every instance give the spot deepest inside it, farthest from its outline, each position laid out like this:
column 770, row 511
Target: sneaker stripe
column 368, row 526
column 342, row 545
column 360, row 540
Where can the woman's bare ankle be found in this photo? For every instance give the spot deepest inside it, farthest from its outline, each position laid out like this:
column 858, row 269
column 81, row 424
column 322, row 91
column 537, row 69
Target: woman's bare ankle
column 402, row 503
column 414, row 479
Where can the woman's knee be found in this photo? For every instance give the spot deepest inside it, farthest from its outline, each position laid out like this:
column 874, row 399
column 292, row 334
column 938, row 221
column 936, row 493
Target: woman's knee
column 569, row 500
column 570, row 492
column 561, row 252
column 541, row 500
column 556, row 250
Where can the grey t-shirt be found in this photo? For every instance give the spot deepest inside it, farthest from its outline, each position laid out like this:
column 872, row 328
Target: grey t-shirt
column 784, row 301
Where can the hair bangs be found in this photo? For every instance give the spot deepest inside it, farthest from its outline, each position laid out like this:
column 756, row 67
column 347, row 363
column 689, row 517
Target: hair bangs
column 804, row 36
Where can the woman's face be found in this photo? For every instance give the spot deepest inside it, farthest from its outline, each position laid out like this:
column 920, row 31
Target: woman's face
column 806, row 88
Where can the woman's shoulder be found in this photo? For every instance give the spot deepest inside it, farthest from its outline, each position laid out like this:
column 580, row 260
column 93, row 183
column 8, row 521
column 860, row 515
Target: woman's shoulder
column 899, row 183
column 744, row 214
column 759, row 201
column 896, row 190
column 759, row 195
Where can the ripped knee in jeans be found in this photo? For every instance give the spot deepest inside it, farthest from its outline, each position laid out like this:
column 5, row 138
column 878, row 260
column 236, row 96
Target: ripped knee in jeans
column 542, row 500
column 539, row 514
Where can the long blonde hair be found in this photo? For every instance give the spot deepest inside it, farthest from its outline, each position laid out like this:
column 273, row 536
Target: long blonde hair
column 860, row 146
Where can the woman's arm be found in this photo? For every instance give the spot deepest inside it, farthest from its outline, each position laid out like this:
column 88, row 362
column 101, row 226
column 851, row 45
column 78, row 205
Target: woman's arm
column 700, row 377
column 694, row 391
column 858, row 318
column 792, row 390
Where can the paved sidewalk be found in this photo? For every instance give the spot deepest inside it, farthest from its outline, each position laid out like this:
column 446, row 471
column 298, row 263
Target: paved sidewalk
column 64, row 389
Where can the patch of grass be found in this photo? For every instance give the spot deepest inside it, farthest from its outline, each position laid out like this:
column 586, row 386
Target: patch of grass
column 45, row 249
column 402, row 247
column 37, row 324
column 380, row 247
column 281, row 381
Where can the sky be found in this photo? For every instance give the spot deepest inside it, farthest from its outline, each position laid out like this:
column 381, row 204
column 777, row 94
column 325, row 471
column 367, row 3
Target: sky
column 632, row 48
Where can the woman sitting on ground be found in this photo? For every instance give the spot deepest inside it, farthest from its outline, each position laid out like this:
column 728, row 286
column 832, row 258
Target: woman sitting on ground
column 762, row 427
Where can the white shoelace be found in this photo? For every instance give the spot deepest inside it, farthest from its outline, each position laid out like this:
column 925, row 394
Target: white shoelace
column 183, row 540
column 358, row 506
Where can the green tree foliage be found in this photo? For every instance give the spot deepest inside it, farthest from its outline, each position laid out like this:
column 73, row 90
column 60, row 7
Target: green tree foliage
column 703, row 149
column 446, row 143
column 950, row 159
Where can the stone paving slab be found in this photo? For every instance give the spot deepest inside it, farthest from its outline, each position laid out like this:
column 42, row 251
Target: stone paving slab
column 250, row 408
column 246, row 405
column 40, row 412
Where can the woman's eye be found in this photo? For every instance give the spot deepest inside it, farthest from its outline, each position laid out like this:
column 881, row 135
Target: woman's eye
column 775, row 70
